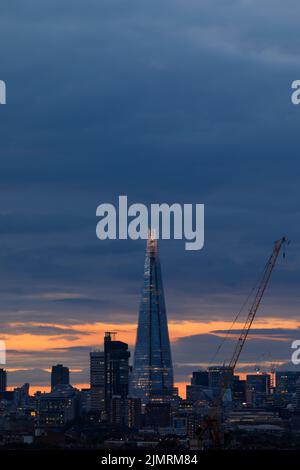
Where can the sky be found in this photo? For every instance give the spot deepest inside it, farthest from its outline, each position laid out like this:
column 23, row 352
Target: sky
column 174, row 101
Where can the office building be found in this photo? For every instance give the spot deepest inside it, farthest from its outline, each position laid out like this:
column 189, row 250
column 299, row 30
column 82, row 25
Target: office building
column 257, row 389
column 57, row 408
column 199, row 390
column 158, row 415
column 152, row 376
column 117, row 367
column 97, row 380
column 3, row 380
column 59, row 376
column 200, row 377
column 239, row 390
column 109, row 373
column 286, row 381
column 221, row 377
column 298, row 394
column 125, row 412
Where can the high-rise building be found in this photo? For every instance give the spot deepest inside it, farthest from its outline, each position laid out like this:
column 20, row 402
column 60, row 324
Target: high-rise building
column 198, row 390
column 3, row 380
column 109, row 373
column 152, row 375
column 239, row 390
column 85, row 401
column 97, row 380
column 117, row 367
column 21, row 395
column 286, row 381
column 125, row 412
column 218, row 376
column 200, row 377
column 133, row 412
column 59, row 376
column 257, row 389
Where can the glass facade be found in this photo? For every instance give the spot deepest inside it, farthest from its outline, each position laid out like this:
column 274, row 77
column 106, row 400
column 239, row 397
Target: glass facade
column 152, row 375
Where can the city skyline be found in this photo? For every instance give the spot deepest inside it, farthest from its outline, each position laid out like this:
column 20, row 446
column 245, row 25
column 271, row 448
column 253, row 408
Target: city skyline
column 266, row 361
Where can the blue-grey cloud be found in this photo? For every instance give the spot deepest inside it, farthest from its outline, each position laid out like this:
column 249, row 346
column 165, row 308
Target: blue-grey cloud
column 205, row 349
column 38, row 330
column 180, row 101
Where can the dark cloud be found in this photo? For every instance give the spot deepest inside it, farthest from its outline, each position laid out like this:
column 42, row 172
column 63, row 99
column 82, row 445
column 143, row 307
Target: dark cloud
column 173, row 101
column 37, row 224
column 204, row 349
column 39, row 330
column 76, row 358
column 40, row 377
column 285, row 333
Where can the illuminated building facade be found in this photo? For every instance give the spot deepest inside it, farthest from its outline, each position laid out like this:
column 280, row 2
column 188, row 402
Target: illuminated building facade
column 152, row 376
column 109, row 371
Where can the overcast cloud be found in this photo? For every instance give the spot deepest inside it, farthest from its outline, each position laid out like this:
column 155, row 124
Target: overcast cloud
column 174, row 101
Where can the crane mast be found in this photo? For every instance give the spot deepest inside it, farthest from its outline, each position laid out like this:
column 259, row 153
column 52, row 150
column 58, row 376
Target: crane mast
column 258, row 297
column 211, row 422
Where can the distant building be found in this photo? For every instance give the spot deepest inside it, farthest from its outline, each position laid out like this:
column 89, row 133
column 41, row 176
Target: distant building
column 133, row 413
column 126, row 412
column 109, row 373
column 257, row 389
column 200, row 377
column 158, row 415
column 218, row 377
column 60, row 375
column 117, row 367
column 198, row 390
column 85, row 401
column 239, row 390
column 3, row 380
column 21, row 395
column 152, row 375
column 298, row 394
column 286, row 381
column 7, row 396
column 57, row 408
column 184, row 420
column 97, row 380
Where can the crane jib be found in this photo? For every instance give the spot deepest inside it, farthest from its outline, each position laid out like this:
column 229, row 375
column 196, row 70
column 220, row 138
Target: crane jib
column 253, row 310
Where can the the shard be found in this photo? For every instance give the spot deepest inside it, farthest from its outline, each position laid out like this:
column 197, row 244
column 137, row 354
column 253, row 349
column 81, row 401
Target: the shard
column 152, row 375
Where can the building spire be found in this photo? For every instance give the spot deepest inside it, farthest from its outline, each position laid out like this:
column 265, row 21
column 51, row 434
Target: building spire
column 152, row 248
column 152, row 377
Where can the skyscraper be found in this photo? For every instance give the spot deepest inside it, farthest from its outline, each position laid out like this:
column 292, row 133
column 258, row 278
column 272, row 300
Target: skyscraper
column 152, row 376
column 97, row 379
column 217, row 374
column 117, row 367
column 2, row 380
column 59, row 376
column 109, row 373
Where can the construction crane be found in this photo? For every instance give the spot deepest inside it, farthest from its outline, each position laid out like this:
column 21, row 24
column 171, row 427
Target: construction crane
column 211, row 422
column 257, row 300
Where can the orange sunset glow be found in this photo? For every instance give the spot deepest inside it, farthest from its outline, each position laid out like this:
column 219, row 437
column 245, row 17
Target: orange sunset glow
column 177, row 329
column 91, row 335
